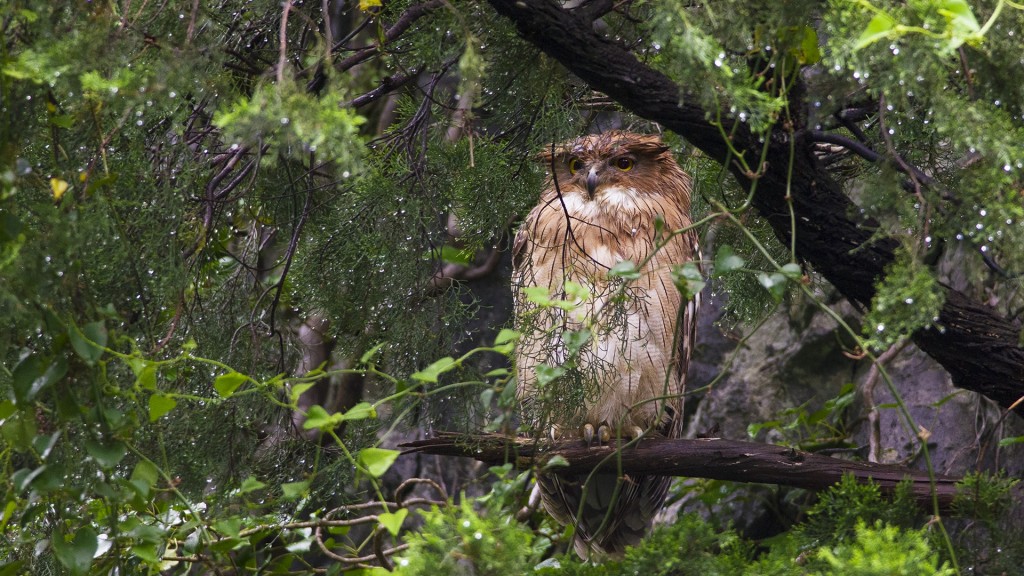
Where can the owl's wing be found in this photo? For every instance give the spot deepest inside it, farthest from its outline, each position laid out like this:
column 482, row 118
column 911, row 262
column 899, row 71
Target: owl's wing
column 687, row 340
column 519, row 249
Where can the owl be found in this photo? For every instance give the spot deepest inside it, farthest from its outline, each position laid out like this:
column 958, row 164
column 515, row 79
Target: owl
column 606, row 335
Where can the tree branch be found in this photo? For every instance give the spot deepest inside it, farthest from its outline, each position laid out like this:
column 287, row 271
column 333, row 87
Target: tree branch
column 976, row 346
column 702, row 458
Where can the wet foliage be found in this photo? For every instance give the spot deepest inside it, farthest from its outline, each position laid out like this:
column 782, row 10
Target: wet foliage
column 188, row 190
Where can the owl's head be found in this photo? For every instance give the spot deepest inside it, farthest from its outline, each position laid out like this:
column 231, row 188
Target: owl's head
column 615, row 160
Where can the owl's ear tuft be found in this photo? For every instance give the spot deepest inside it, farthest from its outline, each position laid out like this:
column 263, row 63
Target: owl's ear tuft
column 648, row 146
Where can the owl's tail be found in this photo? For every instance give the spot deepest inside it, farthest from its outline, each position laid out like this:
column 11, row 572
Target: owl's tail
column 615, row 512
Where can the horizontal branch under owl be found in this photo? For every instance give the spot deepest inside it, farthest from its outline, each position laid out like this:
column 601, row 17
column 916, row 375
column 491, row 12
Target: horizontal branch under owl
column 712, row 458
column 978, row 347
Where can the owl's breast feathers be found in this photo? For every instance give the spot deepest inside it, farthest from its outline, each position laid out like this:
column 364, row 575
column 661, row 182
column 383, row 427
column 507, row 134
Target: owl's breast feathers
column 604, row 196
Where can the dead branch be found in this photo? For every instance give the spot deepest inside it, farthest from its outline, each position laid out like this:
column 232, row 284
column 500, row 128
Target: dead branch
column 712, row 458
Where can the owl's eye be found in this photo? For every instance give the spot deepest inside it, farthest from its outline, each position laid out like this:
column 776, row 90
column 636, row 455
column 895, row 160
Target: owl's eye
column 624, row 164
column 574, row 165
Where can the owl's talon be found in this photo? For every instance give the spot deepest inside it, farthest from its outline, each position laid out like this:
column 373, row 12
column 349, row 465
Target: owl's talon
column 637, row 432
column 588, row 433
column 553, row 432
column 604, row 434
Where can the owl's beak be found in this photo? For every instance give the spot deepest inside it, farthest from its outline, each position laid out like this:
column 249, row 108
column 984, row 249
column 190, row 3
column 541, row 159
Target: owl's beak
column 591, row 182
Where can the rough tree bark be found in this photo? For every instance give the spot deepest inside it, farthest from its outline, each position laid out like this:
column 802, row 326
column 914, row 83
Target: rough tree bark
column 702, row 458
column 975, row 345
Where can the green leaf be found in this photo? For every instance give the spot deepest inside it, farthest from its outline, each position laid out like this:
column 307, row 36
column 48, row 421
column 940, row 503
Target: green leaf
column 775, row 283
column 792, row 271
column 34, row 374
column 318, row 418
column 727, row 261
column 43, row 444
column 294, row 490
column 377, row 460
column 492, row 374
column 145, row 473
column 76, row 555
column 576, row 339
column 369, row 354
column 810, row 53
column 392, row 521
column 877, row 29
column 453, row 255
column 1011, row 441
column 18, row 430
column 228, row 526
column 89, row 342
column 159, row 405
column 505, row 336
column 226, row 384
column 547, row 374
column 145, row 378
column 106, row 454
column 23, row 477
column 486, row 397
column 430, row 373
column 556, row 461
column 297, row 390
column 538, row 295
column 688, row 280
column 626, row 269
column 360, row 411
column 250, row 484
column 961, row 22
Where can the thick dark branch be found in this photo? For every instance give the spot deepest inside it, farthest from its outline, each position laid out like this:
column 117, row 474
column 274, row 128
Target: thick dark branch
column 977, row 347
column 703, row 458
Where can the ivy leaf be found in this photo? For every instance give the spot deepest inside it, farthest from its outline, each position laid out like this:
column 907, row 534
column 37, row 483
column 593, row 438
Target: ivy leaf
column 1011, row 441
column 145, row 378
column 89, row 342
column 294, row 490
column 775, row 283
column 107, row 455
column 688, row 280
column 226, row 384
column 360, row 411
column 727, row 261
column 377, row 460
column 250, row 484
column 392, row 521
column 962, row 26
column 317, row 417
column 34, row 374
column 58, row 186
column 297, row 390
column 76, row 555
column 625, row 269
column 547, row 374
column 538, row 295
column 369, row 354
column 159, row 405
column 576, row 339
column 453, row 255
column 505, row 336
column 877, row 29
column 556, row 461
column 430, row 373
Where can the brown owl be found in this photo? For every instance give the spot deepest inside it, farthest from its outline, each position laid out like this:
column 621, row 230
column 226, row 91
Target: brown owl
column 605, row 345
